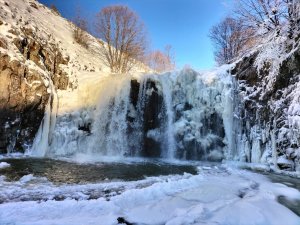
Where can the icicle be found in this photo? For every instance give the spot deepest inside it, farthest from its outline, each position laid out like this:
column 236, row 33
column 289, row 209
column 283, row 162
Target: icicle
column 274, row 149
column 169, row 142
column 43, row 137
column 41, row 141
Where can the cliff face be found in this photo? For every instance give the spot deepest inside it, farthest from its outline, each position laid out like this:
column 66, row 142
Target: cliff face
column 269, row 110
column 28, row 67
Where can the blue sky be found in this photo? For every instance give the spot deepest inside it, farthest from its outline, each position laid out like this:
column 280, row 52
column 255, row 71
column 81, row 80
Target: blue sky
column 184, row 24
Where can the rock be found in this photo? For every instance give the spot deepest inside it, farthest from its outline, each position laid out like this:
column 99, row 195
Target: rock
column 13, row 31
column 121, row 220
column 150, row 121
column 152, row 114
column 266, row 111
column 21, row 111
column 4, row 86
column 285, row 164
column 245, row 70
column 23, row 94
column 61, row 80
column 33, row 4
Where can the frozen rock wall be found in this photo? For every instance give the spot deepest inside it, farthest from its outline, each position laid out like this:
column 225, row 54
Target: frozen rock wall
column 28, row 68
column 269, row 109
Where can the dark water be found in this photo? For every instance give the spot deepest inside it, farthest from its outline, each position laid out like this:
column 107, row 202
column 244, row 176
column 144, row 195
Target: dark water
column 293, row 205
column 58, row 171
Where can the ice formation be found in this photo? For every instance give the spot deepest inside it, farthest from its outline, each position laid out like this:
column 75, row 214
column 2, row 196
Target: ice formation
column 178, row 115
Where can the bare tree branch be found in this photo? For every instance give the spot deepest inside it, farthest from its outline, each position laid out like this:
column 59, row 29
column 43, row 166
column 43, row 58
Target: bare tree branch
column 229, row 38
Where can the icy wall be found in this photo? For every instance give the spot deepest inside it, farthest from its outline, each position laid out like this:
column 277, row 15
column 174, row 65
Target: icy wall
column 180, row 115
column 268, row 90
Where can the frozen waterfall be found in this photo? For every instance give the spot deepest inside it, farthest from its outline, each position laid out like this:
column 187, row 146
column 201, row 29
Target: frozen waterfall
column 179, row 115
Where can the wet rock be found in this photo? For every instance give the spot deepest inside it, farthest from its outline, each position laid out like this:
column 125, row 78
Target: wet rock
column 134, row 92
column 121, row 220
column 146, row 119
column 153, row 114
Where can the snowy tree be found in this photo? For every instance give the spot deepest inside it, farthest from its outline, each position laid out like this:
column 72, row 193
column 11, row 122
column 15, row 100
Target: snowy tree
column 293, row 17
column 169, row 51
column 267, row 15
column 124, row 34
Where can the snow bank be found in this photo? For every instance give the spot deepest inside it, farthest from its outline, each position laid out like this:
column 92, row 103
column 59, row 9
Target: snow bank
column 4, row 165
column 224, row 197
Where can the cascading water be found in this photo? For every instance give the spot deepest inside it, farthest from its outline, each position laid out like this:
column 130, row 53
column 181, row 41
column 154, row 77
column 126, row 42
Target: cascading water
column 183, row 115
column 110, row 126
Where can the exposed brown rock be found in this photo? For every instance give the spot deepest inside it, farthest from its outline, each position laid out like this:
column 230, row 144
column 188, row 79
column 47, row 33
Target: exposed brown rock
column 33, row 5
column 23, row 94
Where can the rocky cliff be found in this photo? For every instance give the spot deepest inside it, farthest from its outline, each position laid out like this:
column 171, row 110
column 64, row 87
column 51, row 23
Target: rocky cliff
column 38, row 59
column 269, row 107
column 29, row 64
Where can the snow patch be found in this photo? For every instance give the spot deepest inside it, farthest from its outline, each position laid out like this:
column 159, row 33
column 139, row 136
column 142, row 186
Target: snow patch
column 4, row 165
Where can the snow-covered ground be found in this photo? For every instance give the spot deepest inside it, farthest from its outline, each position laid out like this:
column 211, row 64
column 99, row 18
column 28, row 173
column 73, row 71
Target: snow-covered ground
column 214, row 196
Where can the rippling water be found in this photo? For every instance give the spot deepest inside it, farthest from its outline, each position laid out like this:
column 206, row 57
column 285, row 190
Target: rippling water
column 293, row 205
column 58, row 171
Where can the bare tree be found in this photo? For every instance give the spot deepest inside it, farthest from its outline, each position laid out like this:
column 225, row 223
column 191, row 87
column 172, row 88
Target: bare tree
column 169, row 51
column 229, row 38
column 80, row 31
column 124, row 34
column 161, row 61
